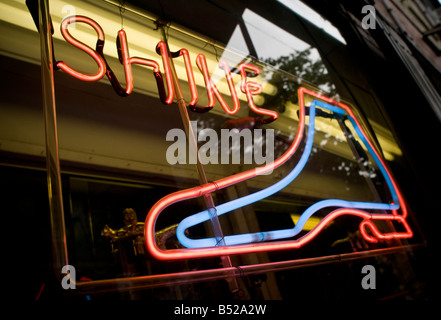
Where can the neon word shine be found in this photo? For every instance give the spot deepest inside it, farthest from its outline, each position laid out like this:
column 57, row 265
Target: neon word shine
column 166, row 95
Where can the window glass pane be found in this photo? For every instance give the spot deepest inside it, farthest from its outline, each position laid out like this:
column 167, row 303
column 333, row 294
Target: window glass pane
column 254, row 118
column 269, row 94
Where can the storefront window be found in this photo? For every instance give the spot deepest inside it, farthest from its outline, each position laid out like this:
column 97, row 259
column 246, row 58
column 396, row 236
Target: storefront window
column 268, row 98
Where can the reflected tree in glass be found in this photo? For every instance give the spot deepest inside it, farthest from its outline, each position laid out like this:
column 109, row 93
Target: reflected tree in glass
column 303, row 66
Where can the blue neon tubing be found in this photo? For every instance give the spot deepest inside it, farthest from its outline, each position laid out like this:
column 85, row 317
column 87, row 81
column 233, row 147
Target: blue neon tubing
column 259, row 195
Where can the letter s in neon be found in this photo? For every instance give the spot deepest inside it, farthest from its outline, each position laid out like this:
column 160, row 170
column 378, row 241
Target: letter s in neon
column 69, row 38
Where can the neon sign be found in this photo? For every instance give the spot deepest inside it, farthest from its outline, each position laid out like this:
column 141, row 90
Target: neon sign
column 249, row 88
column 253, row 242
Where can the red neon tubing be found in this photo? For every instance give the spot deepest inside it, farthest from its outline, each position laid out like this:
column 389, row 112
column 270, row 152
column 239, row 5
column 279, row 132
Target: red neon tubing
column 162, row 50
column 127, row 61
column 349, row 111
column 366, row 223
column 212, row 89
column 253, row 88
column 190, row 75
column 76, row 43
column 219, row 184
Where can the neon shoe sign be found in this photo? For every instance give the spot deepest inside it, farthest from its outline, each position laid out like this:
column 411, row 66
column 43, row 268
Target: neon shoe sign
column 251, row 242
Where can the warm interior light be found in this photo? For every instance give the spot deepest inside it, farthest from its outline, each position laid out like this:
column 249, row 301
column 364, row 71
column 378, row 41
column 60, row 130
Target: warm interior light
column 310, row 224
column 142, row 40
